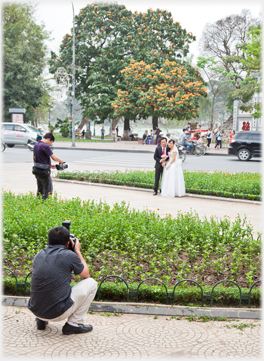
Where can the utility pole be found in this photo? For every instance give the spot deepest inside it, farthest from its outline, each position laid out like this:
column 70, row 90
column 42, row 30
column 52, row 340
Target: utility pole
column 73, row 78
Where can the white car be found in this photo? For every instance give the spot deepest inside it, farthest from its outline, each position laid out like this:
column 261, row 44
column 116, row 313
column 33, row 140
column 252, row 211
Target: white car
column 14, row 133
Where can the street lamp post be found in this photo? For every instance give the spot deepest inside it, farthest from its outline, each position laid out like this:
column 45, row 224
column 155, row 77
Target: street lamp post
column 73, row 79
column 94, row 127
column 49, row 115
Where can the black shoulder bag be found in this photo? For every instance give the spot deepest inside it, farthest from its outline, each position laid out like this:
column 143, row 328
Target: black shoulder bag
column 41, row 170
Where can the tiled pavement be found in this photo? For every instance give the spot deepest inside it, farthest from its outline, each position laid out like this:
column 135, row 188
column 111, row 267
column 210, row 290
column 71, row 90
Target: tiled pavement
column 128, row 337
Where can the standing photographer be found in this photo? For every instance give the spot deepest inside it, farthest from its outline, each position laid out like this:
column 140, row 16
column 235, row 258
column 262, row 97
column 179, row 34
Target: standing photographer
column 42, row 165
column 51, row 296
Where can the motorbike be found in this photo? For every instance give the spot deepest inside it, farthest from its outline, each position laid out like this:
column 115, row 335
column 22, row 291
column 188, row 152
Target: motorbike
column 182, row 152
column 195, row 149
column 31, row 143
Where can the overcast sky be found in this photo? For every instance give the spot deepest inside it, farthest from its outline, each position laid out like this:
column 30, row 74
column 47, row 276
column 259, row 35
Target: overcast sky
column 192, row 14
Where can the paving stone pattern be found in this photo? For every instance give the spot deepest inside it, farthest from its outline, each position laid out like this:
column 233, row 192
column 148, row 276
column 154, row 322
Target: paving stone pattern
column 128, row 336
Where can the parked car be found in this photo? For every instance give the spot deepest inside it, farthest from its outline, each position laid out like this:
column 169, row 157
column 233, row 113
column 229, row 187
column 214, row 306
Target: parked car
column 246, row 144
column 14, row 133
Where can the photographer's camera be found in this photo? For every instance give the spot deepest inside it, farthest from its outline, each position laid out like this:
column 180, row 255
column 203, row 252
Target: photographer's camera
column 61, row 166
column 67, row 224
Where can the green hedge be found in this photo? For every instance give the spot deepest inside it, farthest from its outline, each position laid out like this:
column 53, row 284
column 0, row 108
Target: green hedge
column 239, row 185
column 184, row 295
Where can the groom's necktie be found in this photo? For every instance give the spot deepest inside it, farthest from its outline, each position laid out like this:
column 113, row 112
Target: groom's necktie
column 163, row 152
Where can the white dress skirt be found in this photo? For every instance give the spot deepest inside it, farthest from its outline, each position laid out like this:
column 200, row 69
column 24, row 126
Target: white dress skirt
column 172, row 183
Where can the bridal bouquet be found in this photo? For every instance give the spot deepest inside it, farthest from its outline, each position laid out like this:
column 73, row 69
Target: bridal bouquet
column 164, row 156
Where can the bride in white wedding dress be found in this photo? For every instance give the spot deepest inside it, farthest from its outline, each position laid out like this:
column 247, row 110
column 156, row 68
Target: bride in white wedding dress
column 172, row 184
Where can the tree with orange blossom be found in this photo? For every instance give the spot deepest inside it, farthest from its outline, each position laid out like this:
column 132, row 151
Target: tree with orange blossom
column 171, row 91
column 107, row 37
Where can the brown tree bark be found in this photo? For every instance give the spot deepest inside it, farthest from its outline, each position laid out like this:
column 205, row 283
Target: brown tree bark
column 81, row 125
column 126, row 128
column 114, row 124
column 155, row 123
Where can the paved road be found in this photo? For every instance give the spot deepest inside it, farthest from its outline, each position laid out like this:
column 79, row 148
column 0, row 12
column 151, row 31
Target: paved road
column 129, row 337
column 102, row 159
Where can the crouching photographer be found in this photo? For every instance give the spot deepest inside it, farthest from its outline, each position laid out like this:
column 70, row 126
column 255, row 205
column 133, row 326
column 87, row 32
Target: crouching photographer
column 51, row 296
column 42, row 165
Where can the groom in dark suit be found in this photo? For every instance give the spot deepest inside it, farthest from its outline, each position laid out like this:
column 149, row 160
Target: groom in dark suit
column 160, row 150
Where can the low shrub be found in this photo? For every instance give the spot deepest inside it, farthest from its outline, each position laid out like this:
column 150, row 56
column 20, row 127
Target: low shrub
column 184, row 295
column 239, row 185
column 134, row 244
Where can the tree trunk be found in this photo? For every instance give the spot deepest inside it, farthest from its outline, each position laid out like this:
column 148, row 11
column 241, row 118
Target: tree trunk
column 154, row 123
column 114, row 124
column 81, row 125
column 126, row 128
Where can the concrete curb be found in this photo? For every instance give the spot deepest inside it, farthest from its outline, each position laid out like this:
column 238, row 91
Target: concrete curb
column 105, row 150
column 151, row 190
column 150, row 309
column 124, row 150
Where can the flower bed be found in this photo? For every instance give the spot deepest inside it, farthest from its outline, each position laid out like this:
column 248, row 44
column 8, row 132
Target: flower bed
column 134, row 244
column 238, row 185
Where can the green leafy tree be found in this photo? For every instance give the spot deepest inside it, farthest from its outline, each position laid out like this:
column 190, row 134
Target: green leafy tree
column 64, row 126
column 172, row 91
column 251, row 63
column 24, row 60
column 217, row 85
column 108, row 36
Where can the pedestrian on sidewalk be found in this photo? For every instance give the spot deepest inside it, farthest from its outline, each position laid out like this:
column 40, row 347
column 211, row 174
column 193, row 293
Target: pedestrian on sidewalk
column 102, row 133
column 209, row 137
column 159, row 139
column 51, row 296
column 145, row 137
column 130, row 134
column 219, row 140
column 157, row 133
column 231, row 136
column 39, row 134
column 216, row 133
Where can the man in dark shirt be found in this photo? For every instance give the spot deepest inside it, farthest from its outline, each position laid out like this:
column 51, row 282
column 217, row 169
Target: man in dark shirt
column 160, row 157
column 42, row 154
column 51, row 296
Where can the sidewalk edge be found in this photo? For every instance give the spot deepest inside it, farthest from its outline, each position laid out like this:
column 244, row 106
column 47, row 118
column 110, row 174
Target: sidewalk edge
column 124, row 150
column 152, row 309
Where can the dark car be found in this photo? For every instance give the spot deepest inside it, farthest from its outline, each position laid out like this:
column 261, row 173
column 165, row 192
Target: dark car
column 246, row 144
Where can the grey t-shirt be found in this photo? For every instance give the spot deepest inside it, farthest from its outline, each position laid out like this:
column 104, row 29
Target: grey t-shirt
column 50, row 291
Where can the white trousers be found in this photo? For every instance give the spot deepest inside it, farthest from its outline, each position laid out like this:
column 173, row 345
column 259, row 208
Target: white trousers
column 82, row 295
